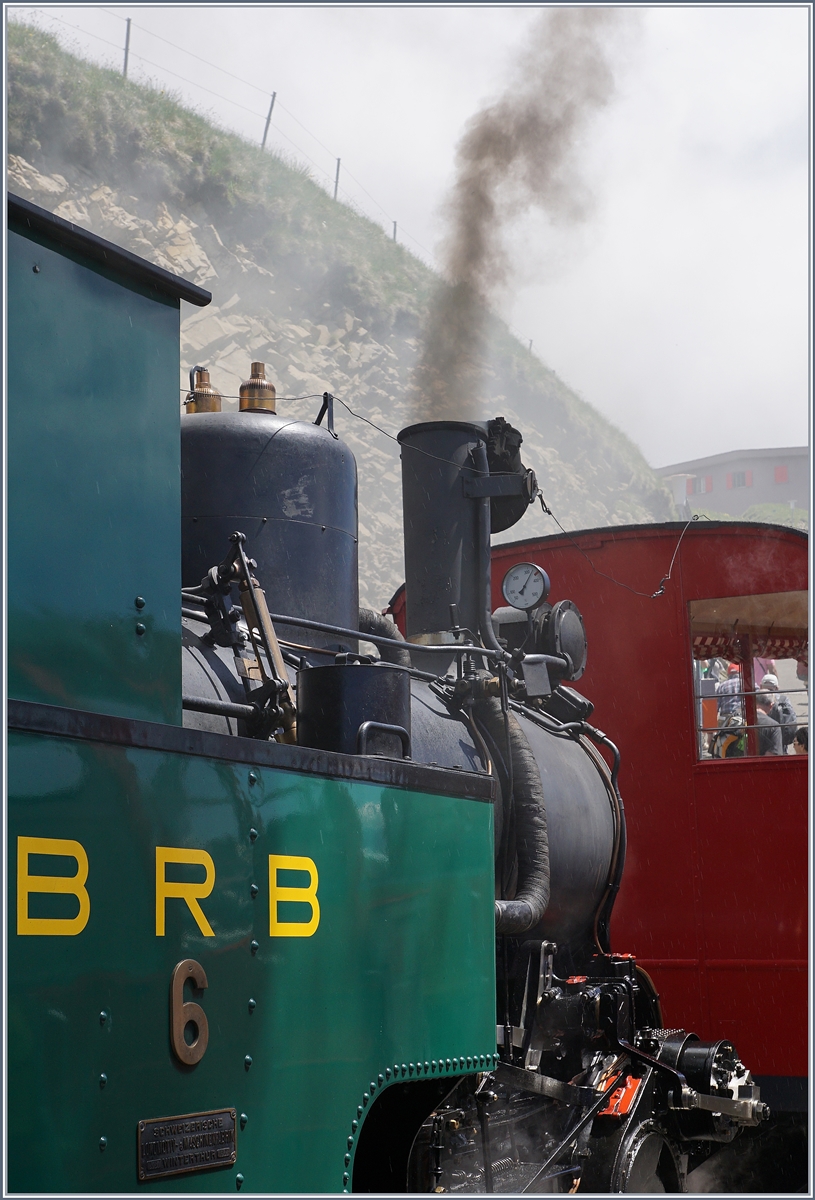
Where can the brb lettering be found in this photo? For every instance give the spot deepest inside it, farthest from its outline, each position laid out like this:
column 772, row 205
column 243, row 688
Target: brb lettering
column 167, row 891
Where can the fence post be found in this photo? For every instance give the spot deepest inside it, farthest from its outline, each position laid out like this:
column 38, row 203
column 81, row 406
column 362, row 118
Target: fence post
column 337, row 179
column 268, row 122
column 127, row 47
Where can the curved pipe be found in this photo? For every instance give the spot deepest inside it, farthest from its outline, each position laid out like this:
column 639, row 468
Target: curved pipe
column 531, row 836
column 604, row 912
column 373, row 622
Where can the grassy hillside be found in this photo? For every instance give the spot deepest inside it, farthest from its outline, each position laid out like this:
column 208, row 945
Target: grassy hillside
column 304, row 283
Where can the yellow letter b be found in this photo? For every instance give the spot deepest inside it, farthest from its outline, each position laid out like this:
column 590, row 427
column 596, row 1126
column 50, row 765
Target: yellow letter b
column 303, row 895
column 70, row 885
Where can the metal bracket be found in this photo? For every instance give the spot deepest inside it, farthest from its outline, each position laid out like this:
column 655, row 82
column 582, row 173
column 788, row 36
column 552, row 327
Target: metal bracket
column 746, row 1112
column 327, row 407
column 543, row 1085
column 494, row 485
column 368, row 727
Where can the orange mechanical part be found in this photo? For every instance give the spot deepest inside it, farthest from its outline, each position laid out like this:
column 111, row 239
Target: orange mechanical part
column 621, row 1099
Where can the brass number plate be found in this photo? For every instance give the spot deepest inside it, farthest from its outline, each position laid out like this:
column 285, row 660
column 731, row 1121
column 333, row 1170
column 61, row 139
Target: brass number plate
column 194, row 1142
column 182, row 1015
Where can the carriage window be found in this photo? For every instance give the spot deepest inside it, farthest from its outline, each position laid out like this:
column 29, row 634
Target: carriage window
column 751, row 675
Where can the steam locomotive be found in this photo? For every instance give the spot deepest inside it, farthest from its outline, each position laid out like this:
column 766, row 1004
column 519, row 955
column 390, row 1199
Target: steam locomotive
column 296, row 904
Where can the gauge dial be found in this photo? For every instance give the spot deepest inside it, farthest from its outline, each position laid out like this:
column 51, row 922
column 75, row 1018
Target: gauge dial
column 525, row 586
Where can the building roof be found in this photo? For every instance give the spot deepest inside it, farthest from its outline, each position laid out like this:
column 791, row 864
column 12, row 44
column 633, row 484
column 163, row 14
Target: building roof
column 730, row 456
column 22, row 213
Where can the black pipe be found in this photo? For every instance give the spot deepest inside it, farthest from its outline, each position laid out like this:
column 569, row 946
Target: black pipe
column 221, row 708
column 532, row 839
column 448, row 648
column 485, row 559
column 371, row 621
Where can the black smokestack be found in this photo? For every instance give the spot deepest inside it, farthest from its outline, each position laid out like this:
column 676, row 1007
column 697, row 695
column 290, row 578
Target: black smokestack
column 520, row 152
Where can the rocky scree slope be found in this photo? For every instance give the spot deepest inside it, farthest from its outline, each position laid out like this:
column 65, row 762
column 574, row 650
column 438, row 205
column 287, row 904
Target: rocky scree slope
column 308, row 286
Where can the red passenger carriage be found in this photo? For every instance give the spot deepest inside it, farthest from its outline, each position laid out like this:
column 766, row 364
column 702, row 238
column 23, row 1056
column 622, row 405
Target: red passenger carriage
column 714, row 899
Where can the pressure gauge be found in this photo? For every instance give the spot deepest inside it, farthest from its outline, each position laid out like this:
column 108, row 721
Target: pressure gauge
column 525, row 586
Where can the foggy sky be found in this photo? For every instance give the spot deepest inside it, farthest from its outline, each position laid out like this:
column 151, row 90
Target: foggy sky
column 680, row 309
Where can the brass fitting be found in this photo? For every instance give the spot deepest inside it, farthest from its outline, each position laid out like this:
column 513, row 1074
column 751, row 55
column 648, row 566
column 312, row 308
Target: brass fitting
column 203, row 397
column 257, row 392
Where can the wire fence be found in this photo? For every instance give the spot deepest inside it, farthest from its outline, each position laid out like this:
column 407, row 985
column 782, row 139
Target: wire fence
column 29, row 16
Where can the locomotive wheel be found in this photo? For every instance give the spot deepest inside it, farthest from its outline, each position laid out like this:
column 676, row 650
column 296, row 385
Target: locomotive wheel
column 647, row 1162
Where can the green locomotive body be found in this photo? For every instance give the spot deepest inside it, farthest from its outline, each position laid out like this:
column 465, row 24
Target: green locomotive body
column 281, row 915
column 323, row 895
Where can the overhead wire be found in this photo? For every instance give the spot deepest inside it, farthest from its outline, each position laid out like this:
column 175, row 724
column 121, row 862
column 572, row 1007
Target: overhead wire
column 660, row 589
column 405, row 233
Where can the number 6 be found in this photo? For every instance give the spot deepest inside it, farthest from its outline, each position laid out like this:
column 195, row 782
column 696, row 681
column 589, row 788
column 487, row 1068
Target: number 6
column 182, row 1015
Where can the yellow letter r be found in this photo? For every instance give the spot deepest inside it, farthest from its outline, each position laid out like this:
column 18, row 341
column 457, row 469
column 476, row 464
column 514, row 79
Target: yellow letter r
column 188, row 892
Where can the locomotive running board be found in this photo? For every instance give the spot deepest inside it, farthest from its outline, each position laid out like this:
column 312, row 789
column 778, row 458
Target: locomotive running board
column 30, row 717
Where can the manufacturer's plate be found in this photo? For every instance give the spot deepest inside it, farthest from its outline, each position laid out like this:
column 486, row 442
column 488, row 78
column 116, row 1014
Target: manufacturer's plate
column 193, row 1142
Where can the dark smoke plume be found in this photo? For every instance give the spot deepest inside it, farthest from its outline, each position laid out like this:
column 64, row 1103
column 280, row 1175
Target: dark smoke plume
column 520, row 152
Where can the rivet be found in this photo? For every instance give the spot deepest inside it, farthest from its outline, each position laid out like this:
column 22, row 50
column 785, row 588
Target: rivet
column 103, row 1141
column 469, row 1061
column 103, row 1016
column 253, row 835
column 365, row 1099
column 449, row 1064
column 359, row 1113
column 252, row 777
column 404, row 1069
column 253, row 890
column 247, row 1062
column 387, row 1072
column 380, row 1079
column 253, row 1005
column 103, row 1079
column 141, row 629
column 265, row 519
column 244, row 1119
column 372, row 1087
column 411, row 1068
column 355, row 1124
column 239, row 1181
column 140, row 602
column 345, row 1179
column 254, row 947
column 396, row 1068
column 36, row 268
column 348, row 1160
column 194, row 520
column 455, row 1064
column 426, row 1067
column 350, row 1142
